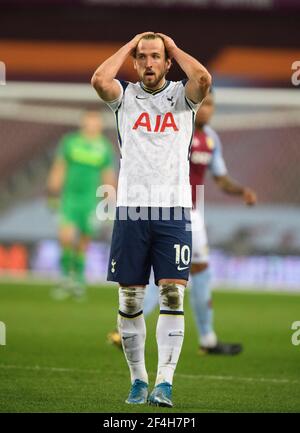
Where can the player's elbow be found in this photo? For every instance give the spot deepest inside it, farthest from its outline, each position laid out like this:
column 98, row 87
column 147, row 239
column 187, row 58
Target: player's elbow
column 204, row 81
column 98, row 80
column 52, row 187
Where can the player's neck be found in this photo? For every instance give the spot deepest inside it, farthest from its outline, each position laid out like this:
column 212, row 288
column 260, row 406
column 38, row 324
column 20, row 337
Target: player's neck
column 160, row 86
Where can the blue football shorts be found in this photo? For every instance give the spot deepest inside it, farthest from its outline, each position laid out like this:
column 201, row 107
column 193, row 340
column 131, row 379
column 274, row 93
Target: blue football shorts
column 145, row 238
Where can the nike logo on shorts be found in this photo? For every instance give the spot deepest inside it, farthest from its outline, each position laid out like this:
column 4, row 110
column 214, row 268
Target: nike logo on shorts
column 182, row 269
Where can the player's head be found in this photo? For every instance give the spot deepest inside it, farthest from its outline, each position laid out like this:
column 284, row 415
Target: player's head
column 151, row 60
column 91, row 123
column 205, row 111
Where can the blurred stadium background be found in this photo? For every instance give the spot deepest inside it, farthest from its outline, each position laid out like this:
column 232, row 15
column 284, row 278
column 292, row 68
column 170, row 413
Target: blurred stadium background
column 50, row 52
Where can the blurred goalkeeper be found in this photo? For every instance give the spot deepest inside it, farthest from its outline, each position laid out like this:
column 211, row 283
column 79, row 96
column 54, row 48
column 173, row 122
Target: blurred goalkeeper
column 206, row 154
column 84, row 161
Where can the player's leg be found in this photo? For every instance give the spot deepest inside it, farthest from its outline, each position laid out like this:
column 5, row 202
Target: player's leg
column 68, row 235
column 151, row 301
column 85, row 224
column 129, row 265
column 132, row 329
column 201, row 296
column 79, row 266
column 67, row 239
column 201, row 303
column 169, row 337
column 171, row 262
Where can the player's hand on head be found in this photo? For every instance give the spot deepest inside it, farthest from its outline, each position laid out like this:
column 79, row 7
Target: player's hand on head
column 169, row 43
column 138, row 37
column 249, row 197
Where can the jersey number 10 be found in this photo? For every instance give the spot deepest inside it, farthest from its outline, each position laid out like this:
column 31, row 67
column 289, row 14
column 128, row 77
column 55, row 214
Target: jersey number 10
column 183, row 253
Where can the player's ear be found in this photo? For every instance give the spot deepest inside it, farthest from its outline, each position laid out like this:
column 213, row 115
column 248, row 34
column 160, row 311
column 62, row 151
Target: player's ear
column 168, row 64
column 134, row 63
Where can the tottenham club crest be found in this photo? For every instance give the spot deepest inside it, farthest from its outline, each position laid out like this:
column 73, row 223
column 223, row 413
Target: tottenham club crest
column 171, row 101
column 113, row 264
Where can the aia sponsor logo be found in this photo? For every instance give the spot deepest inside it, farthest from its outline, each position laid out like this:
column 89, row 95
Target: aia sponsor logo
column 159, row 123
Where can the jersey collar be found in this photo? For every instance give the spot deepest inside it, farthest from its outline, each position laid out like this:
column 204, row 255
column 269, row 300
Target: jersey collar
column 155, row 92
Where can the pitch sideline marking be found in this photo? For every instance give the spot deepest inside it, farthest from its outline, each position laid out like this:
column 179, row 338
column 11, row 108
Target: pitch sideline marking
column 182, row 375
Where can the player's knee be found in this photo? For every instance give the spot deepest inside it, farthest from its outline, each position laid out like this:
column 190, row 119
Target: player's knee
column 131, row 300
column 67, row 236
column 198, row 267
column 200, row 287
column 171, row 296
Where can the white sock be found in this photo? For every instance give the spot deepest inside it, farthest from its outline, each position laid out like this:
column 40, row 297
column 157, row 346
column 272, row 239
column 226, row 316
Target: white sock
column 169, row 331
column 132, row 328
column 209, row 340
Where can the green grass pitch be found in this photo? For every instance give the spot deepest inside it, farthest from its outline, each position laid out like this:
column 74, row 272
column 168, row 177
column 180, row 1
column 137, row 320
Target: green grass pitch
column 57, row 359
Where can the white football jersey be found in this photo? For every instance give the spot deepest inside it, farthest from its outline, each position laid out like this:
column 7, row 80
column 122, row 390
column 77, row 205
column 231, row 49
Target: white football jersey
column 155, row 131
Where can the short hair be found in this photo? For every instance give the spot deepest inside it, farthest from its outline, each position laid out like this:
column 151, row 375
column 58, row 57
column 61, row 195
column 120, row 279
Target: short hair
column 150, row 37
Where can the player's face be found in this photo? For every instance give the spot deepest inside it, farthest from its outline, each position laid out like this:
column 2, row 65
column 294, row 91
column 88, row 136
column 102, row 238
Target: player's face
column 150, row 63
column 91, row 124
column 205, row 111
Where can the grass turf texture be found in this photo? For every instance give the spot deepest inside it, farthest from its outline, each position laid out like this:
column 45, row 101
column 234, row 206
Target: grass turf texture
column 57, row 360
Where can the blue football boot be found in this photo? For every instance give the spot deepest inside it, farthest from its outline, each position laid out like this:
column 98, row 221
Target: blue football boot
column 161, row 395
column 138, row 393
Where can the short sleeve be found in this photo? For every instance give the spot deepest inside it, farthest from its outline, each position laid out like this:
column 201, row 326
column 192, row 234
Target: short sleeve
column 192, row 104
column 114, row 105
column 194, row 107
column 217, row 165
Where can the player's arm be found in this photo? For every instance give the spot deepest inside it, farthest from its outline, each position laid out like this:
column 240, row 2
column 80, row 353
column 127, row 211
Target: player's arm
column 108, row 177
column 223, row 180
column 229, row 186
column 199, row 79
column 55, row 183
column 108, row 173
column 103, row 79
column 56, row 177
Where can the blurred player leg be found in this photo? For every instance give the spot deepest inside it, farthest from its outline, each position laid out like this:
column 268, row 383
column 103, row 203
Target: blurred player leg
column 79, row 287
column 67, row 238
column 201, row 297
column 86, row 227
column 202, row 304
